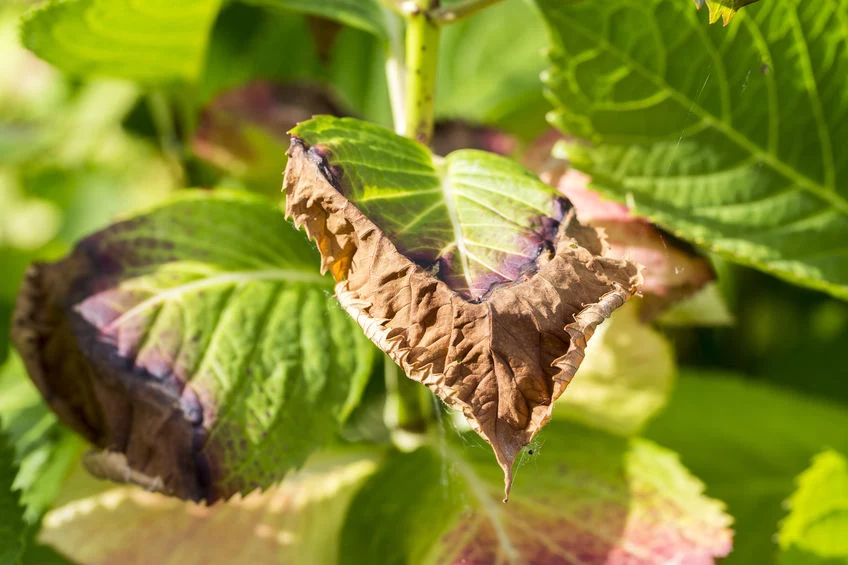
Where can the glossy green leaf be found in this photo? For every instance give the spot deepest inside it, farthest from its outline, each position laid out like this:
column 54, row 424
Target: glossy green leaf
column 732, row 138
column 478, row 216
column 204, row 319
column 816, row 530
column 748, row 441
column 367, row 15
column 625, row 379
column 294, row 523
column 12, row 526
column 594, row 499
column 155, row 41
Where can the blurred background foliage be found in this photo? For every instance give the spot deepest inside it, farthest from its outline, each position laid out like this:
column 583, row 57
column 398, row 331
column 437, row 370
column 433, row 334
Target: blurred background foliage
column 75, row 154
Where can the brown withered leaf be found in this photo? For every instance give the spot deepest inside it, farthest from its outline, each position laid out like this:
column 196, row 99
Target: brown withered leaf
column 501, row 358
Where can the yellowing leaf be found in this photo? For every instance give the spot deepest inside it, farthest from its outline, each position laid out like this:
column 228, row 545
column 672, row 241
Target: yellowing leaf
column 724, row 9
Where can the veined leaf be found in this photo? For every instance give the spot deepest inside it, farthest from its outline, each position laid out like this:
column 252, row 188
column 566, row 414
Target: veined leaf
column 12, row 526
column 724, row 9
column 732, row 138
column 473, row 275
column 294, row 523
column 195, row 344
column 814, row 533
column 747, row 441
column 154, row 41
column 594, row 499
column 367, row 15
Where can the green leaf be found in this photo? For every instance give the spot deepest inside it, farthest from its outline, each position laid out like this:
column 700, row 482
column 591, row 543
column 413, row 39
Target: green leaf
column 367, row 15
column 724, row 9
column 205, row 321
column 815, row 530
column 45, row 450
column 478, row 215
column 156, row 41
column 12, row 526
column 594, row 499
column 489, row 67
column 295, row 523
column 747, row 441
column 625, row 379
column 730, row 138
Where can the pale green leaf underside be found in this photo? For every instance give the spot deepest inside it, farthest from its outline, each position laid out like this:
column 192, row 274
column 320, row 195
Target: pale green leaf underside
column 150, row 41
column 475, row 216
column 816, row 530
column 366, row 15
column 730, row 137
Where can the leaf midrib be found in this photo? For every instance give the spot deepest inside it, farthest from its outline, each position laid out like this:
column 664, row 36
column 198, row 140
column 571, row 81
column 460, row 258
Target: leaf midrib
column 229, row 278
column 812, row 186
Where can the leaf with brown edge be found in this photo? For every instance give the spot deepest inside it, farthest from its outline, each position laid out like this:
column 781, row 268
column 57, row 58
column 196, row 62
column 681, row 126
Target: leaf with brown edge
column 500, row 340
column 195, row 344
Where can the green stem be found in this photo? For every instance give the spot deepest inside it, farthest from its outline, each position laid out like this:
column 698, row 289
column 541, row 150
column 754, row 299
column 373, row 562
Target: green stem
column 408, row 406
column 461, row 10
column 422, row 55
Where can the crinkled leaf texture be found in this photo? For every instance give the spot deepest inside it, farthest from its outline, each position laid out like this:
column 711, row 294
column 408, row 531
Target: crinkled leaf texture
column 724, row 9
column 195, row 344
column 155, row 41
column 816, row 530
column 469, row 272
column 594, row 499
column 732, row 138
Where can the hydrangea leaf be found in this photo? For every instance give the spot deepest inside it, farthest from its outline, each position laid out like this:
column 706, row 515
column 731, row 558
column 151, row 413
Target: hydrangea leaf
column 748, row 441
column 12, row 526
column 156, row 41
column 625, row 379
column 814, row 532
column 472, row 274
column 723, row 9
column 195, row 344
column 367, row 15
column 730, row 138
column 594, row 499
column 296, row 522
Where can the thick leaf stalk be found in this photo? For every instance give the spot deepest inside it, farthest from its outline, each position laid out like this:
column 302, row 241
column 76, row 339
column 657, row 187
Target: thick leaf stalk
column 422, row 54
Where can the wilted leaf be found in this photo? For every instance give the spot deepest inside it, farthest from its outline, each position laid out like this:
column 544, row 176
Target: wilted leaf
column 195, row 340
column 152, row 42
column 732, row 139
column 748, row 441
column 594, row 499
column 815, row 531
column 625, row 379
column 12, row 527
column 468, row 271
column 724, row 9
column 294, row 523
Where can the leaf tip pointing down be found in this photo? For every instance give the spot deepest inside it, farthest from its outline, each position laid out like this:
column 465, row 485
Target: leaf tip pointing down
column 503, row 358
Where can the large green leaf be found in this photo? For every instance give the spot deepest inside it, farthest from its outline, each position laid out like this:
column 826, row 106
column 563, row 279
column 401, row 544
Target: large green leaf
column 367, row 15
column 294, row 523
column 154, row 41
column 816, row 530
column 479, row 216
column 12, row 527
column 198, row 342
column 748, row 442
column 594, row 499
column 731, row 137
